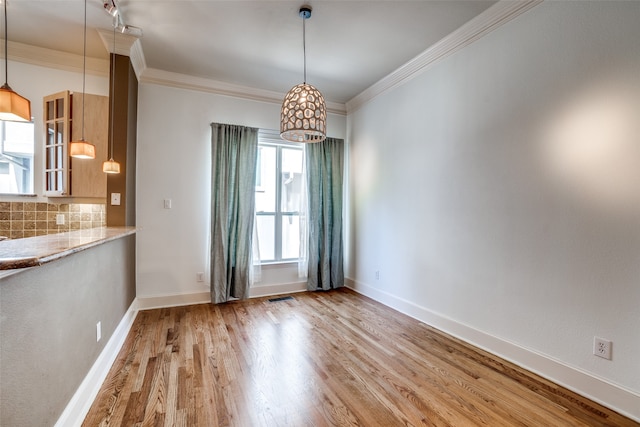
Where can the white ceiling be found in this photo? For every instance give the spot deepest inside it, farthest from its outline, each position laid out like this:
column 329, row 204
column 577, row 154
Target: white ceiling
column 350, row 44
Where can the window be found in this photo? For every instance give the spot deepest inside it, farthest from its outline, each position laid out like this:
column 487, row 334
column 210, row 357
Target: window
column 278, row 197
column 16, row 157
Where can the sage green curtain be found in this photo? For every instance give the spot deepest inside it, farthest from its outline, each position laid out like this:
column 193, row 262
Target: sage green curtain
column 325, row 162
column 233, row 176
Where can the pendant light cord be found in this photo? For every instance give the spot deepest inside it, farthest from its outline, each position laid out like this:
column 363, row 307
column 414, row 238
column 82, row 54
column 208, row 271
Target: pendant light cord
column 6, row 49
column 84, row 63
column 304, row 48
column 113, row 89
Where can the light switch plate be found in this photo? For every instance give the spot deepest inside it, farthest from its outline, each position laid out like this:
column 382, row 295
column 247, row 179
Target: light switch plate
column 167, row 203
column 115, row 199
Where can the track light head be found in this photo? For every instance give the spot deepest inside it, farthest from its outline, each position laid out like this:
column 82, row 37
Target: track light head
column 110, row 7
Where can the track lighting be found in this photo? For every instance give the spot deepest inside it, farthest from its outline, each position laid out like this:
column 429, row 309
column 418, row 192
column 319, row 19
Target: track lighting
column 110, row 7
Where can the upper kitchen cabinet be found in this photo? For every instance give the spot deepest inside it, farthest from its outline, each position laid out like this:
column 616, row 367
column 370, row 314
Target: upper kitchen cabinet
column 65, row 176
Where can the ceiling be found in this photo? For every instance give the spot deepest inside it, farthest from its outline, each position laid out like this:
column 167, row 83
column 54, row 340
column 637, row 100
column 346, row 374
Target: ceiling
column 350, row 44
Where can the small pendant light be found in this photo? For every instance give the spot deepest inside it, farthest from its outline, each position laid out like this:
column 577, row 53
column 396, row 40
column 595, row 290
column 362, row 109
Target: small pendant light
column 12, row 106
column 111, row 166
column 82, row 149
column 304, row 113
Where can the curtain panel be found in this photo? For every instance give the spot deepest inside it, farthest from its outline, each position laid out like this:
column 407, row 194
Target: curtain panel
column 325, row 164
column 233, row 176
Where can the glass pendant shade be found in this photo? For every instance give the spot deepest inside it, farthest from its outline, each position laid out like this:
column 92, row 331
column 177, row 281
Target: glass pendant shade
column 111, row 166
column 304, row 114
column 13, row 106
column 82, row 150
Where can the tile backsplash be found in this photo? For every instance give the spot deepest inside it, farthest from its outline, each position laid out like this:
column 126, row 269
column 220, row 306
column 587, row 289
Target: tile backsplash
column 28, row 219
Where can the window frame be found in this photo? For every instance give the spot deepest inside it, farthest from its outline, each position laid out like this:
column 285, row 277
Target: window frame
column 26, row 163
column 271, row 138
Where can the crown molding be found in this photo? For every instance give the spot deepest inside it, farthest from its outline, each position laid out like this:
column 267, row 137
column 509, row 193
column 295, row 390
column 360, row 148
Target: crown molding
column 49, row 58
column 138, row 61
column 183, row 81
column 123, row 42
column 126, row 45
column 489, row 20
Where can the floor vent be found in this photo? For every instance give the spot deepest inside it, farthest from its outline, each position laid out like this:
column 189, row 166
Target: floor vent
column 280, row 299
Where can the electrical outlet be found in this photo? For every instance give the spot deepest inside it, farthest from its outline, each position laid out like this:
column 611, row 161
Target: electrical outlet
column 602, row 348
column 59, row 219
column 200, row 277
column 115, row 199
column 377, row 274
column 98, row 331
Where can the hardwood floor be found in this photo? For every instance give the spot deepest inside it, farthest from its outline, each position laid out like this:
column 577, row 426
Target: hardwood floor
column 320, row 359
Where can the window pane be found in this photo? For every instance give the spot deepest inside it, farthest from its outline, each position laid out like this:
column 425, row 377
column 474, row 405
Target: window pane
column 50, row 163
column 49, row 113
column 50, row 135
column 290, row 237
column 266, row 180
column 279, row 182
column 59, row 134
column 59, row 108
column 291, row 180
column 59, row 157
column 265, row 225
column 59, row 181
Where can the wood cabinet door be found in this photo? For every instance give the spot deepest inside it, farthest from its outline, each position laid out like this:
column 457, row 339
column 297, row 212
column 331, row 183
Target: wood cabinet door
column 86, row 176
column 63, row 121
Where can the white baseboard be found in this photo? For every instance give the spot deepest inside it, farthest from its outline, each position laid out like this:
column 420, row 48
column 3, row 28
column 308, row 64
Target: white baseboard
column 175, row 300
column 283, row 288
column 615, row 397
column 79, row 405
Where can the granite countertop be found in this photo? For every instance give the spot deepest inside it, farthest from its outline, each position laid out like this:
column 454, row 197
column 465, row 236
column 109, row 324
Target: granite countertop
column 35, row 251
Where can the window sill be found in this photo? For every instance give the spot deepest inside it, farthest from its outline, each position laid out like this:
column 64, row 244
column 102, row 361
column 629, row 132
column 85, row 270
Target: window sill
column 278, row 264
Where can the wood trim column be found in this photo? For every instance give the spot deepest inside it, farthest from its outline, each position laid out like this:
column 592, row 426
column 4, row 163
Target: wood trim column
column 123, row 102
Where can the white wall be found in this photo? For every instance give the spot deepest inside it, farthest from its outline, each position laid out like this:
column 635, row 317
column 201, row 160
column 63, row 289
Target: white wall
column 35, row 82
column 498, row 194
column 174, row 162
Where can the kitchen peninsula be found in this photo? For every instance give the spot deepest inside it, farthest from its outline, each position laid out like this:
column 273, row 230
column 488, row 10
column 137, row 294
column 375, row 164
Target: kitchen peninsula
column 63, row 298
column 35, row 251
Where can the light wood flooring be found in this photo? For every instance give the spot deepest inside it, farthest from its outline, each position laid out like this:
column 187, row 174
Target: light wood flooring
column 320, row 359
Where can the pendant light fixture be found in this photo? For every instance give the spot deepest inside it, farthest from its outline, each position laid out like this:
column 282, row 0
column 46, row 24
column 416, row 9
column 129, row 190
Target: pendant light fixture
column 82, row 149
column 304, row 113
column 111, row 166
column 12, row 106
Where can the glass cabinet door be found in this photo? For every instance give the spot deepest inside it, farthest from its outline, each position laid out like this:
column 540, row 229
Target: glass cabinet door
column 56, row 122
